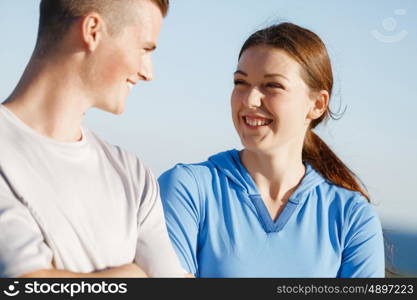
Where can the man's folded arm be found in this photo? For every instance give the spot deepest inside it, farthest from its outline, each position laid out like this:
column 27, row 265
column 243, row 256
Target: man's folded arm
column 23, row 251
column 22, row 246
column 154, row 251
column 124, row 271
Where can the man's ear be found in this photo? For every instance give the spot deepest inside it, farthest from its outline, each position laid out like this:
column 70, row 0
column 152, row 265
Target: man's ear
column 319, row 106
column 92, row 29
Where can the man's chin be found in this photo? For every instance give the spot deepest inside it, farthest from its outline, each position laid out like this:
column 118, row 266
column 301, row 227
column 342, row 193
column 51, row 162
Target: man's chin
column 118, row 111
column 115, row 109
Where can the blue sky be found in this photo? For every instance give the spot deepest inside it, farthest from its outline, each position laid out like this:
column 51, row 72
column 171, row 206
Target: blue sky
column 184, row 114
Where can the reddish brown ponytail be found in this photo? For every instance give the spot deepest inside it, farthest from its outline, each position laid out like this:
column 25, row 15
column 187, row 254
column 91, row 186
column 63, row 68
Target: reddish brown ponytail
column 310, row 52
column 323, row 159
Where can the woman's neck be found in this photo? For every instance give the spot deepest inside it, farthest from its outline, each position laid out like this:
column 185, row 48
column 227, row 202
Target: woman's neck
column 276, row 175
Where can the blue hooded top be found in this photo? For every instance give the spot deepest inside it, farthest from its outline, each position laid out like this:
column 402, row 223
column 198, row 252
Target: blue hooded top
column 220, row 226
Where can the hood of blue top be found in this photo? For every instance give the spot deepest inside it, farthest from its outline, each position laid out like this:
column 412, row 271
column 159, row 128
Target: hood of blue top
column 229, row 163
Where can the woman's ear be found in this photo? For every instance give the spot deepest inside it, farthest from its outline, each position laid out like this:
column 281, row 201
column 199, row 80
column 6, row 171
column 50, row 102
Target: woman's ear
column 319, row 106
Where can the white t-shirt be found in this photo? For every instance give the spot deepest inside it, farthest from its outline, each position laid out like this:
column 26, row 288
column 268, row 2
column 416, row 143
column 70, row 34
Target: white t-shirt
column 83, row 206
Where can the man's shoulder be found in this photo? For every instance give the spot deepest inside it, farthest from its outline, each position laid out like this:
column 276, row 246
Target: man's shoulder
column 126, row 161
column 110, row 149
column 8, row 132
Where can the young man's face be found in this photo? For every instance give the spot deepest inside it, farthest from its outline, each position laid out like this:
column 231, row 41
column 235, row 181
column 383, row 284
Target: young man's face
column 124, row 59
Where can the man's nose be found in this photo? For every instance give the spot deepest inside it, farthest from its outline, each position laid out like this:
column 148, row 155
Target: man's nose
column 146, row 71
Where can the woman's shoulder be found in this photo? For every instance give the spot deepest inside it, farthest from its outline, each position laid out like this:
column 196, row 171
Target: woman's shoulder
column 350, row 204
column 199, row 172
column 334, row 192
column 188, row 171
column 329, row 193
column 353, row 218
column 188, row 183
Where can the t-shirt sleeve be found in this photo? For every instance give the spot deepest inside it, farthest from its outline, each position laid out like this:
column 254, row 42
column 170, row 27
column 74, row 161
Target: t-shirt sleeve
column 22, row 246
column 154, row 251
column 363, row 254
column 180, row 199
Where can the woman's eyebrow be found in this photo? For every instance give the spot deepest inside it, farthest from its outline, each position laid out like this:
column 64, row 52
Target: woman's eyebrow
column 265, row 76
column 240, row 72
column 274, row 75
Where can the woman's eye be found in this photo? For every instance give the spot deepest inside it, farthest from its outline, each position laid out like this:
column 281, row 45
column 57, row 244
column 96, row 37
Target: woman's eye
column 274, row 85
column 238, row 82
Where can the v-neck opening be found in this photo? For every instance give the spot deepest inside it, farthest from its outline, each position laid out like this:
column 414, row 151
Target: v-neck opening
column 265, row 217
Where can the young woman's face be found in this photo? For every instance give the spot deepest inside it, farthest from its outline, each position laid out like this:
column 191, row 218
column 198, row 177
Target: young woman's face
column 270, row 101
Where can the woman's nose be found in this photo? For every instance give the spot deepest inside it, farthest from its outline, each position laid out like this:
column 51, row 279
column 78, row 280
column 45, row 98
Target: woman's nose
column 254, row 98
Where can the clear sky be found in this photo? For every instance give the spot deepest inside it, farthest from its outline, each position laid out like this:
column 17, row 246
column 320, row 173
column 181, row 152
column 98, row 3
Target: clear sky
column 184, row 114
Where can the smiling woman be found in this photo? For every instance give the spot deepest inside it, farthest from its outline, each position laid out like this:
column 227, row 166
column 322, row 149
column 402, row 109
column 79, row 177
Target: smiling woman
column 286, row 205
column 303, row 58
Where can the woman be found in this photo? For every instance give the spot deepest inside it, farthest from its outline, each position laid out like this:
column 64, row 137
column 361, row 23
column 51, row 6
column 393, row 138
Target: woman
column 286, row 205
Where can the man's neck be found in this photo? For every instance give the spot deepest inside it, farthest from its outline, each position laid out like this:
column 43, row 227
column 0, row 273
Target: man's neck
column 49, row 99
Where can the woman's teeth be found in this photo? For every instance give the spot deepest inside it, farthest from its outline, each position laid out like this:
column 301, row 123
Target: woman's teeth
column 129, row 85
column 256, row 121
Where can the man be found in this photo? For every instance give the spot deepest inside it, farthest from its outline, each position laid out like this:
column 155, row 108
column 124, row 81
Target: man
column 72, row 205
